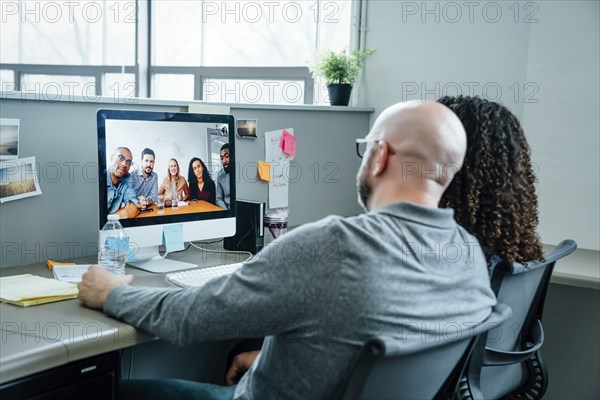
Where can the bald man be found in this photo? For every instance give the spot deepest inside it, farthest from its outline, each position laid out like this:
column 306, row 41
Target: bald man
column 121, row 197
column 404, row 269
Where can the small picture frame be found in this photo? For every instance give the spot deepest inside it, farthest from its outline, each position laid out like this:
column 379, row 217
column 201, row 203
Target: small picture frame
column 9, row 138
column 18, row 179
column 218, row 130
column 246, row 128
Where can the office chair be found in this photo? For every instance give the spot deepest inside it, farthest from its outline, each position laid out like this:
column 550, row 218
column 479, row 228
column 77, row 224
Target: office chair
column 510, row 365
column 386, row 369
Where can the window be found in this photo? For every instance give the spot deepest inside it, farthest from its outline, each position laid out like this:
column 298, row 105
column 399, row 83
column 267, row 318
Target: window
column 173, row 86
column 254, row 91
column 222, row 51
column 67, row 46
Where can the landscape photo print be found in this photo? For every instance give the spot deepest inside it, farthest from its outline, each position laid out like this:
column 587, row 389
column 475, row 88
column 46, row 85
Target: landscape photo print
column 9, row 138
column 18, row 179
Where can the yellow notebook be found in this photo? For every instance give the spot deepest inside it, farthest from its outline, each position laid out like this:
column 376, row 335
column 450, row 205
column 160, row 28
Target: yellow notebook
column 28, row 290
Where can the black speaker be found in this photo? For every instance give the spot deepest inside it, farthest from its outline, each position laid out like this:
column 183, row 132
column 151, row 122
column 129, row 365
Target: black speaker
column 250, row 231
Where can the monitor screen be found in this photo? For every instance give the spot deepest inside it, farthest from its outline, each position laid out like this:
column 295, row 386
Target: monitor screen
column 158, row 169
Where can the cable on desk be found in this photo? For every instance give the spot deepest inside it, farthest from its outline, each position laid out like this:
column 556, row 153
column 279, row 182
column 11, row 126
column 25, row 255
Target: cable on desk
column 211, row 242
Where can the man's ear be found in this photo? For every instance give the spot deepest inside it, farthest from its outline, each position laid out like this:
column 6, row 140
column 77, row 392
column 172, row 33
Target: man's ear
column 381, row 159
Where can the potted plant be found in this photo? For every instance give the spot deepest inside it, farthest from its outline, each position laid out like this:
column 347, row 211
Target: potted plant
column 339, row 71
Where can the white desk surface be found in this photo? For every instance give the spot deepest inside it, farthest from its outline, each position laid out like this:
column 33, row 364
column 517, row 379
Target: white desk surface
column 581, row 269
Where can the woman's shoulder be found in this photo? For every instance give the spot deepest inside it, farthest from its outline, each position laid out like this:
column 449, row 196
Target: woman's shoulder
column 182, row 181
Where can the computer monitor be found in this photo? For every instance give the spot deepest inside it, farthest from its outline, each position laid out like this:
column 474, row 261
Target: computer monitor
column 176, row 141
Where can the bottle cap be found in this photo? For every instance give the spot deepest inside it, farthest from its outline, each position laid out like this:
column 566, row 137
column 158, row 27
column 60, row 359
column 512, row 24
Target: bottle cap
column 113, row 217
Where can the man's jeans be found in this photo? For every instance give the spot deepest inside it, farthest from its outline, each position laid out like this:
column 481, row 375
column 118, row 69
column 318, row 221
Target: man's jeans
column 173, row 389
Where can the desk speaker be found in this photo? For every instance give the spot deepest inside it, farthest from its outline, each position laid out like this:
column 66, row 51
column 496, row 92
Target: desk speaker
column 250, row 231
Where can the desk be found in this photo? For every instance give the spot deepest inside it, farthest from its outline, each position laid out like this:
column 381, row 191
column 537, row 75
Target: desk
column 38, row 338
column 580, row 269
column 190, row 208
column 42, row 337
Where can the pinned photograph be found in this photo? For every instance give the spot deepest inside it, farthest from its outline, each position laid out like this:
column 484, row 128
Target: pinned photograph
column 18, row 179
column 246, row 128
column 9, row 138
column 219, row 130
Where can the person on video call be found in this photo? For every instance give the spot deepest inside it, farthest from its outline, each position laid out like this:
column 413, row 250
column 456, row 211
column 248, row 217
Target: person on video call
column 202, row 187
column 173, row 176
column 121, row 197
column 384, row 272
column 146, row 180
column 223, row 192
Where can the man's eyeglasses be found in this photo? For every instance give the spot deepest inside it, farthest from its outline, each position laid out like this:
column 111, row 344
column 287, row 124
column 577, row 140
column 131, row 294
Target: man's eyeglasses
column 361, row 146
column 121, row 159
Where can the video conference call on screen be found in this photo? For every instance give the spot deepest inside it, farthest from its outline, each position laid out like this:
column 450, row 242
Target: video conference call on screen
column 177, row 167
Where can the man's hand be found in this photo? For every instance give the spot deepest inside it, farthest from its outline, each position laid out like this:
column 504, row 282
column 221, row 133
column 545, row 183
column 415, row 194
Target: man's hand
column 96, row 284
column 129, row 211
column 143, row 202
column 241, row 363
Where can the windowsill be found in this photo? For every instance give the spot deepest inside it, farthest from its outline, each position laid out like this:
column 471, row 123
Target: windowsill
column 52, row 98
column 581, row 269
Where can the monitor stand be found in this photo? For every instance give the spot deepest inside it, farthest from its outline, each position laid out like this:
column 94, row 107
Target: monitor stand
column 149, row 259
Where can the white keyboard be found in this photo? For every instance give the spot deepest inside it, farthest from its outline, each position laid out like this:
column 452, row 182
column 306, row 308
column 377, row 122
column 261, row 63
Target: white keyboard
column 199, row 276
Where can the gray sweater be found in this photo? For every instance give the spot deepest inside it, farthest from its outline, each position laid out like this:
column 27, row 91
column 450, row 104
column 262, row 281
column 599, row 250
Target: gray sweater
column 223, row 190
column 318, row 292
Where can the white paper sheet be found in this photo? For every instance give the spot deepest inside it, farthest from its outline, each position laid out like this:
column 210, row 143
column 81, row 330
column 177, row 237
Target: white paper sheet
column 280, row 169
column 69, row 273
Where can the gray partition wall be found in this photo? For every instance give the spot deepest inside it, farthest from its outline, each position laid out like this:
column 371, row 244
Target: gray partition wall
column 62, row 223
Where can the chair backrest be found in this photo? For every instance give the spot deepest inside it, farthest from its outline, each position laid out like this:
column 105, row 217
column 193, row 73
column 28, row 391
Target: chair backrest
column 386, row 369
column 502, row 367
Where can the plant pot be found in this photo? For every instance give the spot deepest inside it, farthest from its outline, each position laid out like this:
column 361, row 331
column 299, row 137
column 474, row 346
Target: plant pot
column 339, row 94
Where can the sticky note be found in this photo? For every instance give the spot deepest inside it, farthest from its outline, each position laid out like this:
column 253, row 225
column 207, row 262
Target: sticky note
column 288, row 143
column 173, row 237
column 282, row 142
column 51, row 264
column 264, row 171
column 117, row 243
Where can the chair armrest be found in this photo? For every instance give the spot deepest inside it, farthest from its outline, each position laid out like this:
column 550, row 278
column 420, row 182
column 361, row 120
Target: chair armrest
column 493, row 357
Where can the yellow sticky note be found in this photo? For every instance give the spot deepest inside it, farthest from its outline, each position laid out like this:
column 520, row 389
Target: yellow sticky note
column 264, row 171
column 51, row 264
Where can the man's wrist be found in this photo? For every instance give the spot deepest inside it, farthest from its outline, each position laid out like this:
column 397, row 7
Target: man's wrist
column 108, row 290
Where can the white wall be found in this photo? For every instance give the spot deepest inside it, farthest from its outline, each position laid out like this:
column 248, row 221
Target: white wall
column 564, row 127
column 540, row 59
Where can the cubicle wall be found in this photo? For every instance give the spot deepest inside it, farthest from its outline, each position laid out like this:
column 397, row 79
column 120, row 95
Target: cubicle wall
column 62, row 223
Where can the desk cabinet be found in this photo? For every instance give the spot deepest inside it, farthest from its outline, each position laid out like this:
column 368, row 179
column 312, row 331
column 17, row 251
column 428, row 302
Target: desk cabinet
column 92, row 378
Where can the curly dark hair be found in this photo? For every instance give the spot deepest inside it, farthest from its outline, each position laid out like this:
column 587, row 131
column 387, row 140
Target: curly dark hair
column 493, row 195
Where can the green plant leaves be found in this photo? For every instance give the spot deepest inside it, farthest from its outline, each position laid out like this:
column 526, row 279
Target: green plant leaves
column 339, row 67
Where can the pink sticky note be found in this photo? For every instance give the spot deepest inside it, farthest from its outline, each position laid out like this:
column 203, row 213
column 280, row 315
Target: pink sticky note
column 282, row 141
column 289, row 143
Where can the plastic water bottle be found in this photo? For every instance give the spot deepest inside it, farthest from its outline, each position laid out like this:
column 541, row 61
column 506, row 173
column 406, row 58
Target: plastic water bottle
column 174, row 197
column 111, row 255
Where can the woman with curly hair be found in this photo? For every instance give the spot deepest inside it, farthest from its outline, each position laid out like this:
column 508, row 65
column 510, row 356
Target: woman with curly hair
column 493, row 195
